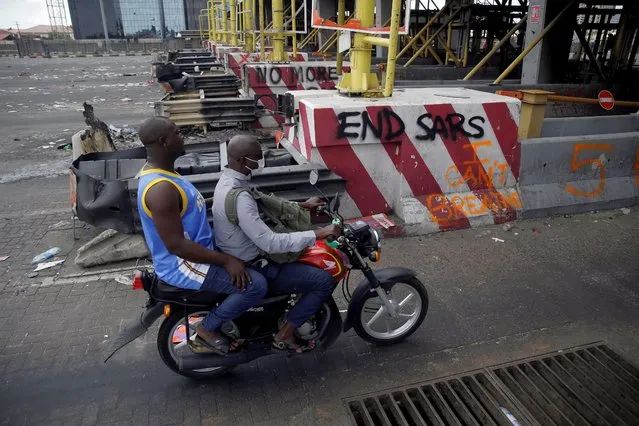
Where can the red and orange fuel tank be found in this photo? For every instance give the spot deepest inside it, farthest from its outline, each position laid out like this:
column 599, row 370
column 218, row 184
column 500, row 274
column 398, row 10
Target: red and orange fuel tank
column 322, row 256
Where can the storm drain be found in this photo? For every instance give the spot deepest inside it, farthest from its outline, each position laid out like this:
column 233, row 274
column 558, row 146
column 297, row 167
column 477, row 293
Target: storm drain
column 585, row 385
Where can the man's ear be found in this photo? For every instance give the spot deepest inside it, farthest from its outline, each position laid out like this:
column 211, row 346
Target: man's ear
column 162, row 140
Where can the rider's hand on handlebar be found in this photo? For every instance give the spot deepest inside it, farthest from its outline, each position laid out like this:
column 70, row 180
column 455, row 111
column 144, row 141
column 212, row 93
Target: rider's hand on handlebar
column 237, row 270
column 333, row 231
column 313, row 203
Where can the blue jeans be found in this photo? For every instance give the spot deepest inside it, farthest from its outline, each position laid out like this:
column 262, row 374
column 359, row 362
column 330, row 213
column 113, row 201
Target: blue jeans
column 315, row 285
column 238, row 301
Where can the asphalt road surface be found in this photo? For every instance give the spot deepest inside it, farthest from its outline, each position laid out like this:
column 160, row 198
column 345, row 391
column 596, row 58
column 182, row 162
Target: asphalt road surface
column 42, row 106
column 551, row 284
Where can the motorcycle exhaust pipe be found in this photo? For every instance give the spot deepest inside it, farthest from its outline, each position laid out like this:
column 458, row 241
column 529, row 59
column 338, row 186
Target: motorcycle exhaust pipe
column 200, row 361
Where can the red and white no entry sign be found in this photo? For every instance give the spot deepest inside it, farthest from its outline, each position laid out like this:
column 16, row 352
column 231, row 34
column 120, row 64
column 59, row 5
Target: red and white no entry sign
column 606, row 100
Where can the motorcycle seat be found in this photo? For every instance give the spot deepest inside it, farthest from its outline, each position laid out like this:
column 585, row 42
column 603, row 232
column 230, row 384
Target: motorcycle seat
column 166, row 292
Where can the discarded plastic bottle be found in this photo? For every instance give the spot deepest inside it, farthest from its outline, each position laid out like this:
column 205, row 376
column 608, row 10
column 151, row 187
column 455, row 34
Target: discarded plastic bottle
column 46, row 255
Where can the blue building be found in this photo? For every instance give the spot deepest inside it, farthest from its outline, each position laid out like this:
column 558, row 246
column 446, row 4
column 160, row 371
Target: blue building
column 134, row 18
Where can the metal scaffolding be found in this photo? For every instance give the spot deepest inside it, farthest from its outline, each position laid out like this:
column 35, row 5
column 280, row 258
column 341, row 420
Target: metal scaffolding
column 58, row 18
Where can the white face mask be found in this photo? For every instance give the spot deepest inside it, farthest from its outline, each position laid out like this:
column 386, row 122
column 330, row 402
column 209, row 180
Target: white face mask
column 260, row 164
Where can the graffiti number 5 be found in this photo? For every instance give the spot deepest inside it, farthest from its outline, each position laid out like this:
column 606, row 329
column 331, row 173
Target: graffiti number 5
column 596, row 162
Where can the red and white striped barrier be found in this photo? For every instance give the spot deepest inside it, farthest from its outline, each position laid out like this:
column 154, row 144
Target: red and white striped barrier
column 234, row 61
column 269, row 80
column 441, row 158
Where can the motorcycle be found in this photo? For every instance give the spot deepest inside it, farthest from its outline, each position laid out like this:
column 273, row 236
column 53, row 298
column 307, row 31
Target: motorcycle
column 386, row 307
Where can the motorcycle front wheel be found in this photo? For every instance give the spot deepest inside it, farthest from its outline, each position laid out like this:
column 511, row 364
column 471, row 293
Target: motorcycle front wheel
column 374, row 323
column 172, row 344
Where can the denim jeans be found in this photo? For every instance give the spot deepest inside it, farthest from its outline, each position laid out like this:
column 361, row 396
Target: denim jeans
column 238, row 301
column 315, row 285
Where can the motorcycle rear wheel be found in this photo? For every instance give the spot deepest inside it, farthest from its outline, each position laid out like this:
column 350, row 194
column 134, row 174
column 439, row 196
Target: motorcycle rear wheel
column 373, row 324
column 170, row 339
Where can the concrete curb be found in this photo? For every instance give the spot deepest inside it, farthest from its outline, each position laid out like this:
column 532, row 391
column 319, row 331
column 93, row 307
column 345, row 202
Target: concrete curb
column 78, row 55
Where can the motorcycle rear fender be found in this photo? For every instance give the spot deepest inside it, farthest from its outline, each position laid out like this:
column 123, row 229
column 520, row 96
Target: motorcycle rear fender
column 135, row 328
column 387, row 277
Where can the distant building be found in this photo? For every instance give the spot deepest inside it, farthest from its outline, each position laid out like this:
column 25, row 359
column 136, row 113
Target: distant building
column 39, row 31
column 134, row 18
column 6, row 35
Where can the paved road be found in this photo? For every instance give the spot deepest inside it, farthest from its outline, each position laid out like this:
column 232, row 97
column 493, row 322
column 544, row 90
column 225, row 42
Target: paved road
column 552, row 284
column 42, row 104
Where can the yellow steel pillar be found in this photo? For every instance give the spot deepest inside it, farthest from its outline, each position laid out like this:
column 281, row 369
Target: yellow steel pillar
column 262, row 39
column 392, row 48
column 249, row 36
column 225, row 23
column 233, row 16
column 278, row 54
column 341, row 12
column 533, row 110
column 211, row 16
column 361, row 80
column 294, row 27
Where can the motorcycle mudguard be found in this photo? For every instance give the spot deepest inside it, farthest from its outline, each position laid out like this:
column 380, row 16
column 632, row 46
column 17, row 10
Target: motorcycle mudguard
column 135, row 328
column 387, row 277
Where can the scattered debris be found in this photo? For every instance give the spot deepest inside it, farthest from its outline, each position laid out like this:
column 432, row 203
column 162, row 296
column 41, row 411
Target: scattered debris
column 25, row 74
column 46, row 255
column 498, row 240
column 98, row 137
column 45, row 146
column 16, row 139
column 63, row 224
column 66, row 146
column 3, row 258
column 110, row 247
column 625, row 211
column 126, row 99
column 516, row 233
column 129, row 74
column 508, row 226
column 32, row 274
column 48, row 265
column 536, row 231
column 123, row 279
column 12, row 112
column 513, row 420
column 567, row 216
column 483, row 233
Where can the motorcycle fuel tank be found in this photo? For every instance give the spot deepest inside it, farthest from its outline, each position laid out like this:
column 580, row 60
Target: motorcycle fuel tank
column 327, row 258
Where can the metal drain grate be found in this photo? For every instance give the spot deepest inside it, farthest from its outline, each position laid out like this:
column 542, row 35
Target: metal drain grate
column 586, row 385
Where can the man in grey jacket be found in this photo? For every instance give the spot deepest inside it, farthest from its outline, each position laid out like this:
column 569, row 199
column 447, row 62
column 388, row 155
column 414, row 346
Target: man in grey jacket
column 252, row 236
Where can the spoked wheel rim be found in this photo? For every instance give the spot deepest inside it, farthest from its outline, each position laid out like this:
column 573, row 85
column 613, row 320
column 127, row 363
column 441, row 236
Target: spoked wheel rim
column 377, row 321
column 177, row 343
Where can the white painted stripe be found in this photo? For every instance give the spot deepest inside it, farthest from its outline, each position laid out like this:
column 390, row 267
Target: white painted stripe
column 348, row 208
column 493, row 152
column 435, row 155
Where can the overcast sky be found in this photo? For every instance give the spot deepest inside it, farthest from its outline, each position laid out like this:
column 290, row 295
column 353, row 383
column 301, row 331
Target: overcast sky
column 28, row 13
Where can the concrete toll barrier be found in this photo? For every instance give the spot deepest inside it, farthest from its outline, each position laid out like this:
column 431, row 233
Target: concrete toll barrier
column 581, row 164
column 265, row 82
column 440, row 158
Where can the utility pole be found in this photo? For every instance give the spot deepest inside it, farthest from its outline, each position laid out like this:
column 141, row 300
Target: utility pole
column 105, row 27
column 19, row 44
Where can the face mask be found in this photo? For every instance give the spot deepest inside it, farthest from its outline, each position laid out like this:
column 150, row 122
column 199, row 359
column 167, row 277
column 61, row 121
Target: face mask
column 260, row 164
